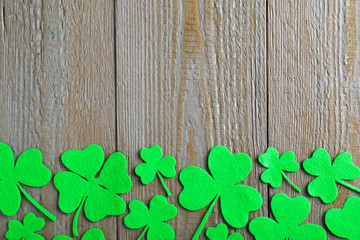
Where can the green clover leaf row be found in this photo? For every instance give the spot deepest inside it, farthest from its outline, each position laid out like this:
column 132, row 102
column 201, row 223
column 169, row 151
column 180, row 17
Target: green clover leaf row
column 155, row 164
column 152, row 218
column 276, row 166
column 29, row 171
column 289, row 214
column 221, row 232
column 227, row 171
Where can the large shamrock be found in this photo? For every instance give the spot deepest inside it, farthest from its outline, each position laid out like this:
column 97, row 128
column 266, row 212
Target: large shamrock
column 289, row 214
column 324, row 186
column 91, row 234
column 98, row 195
column 155, row 164
column 29, row 171
column 276, row 166
column 227, row 170
column 26, row 230
column 152, row 218
column 345, row 222
column 221, row 232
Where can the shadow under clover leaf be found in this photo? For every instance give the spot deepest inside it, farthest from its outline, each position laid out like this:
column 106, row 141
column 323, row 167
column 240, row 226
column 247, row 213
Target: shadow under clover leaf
column 79, row 188
column 227, row 171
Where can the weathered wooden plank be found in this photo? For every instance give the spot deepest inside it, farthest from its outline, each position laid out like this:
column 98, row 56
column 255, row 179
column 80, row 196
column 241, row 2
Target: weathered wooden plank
column 313, row 85
column 190, row 75
column 57, row 89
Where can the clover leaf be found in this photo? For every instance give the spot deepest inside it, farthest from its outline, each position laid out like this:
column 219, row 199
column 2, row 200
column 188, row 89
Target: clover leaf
column 79, row 188
column 220, row 232
column 345, row 222
column 152, row 218
column 276, row 167
column 324, row 185
column 289, row 214
column 227, row 171
column 29, row 171
column 26, row 230
column 91, row 234
column 155, row 164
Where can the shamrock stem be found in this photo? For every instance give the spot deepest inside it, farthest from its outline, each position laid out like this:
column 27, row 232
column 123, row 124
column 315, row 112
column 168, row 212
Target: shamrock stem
column 203, row 221
column 164, row 185
column 346, row 184
column 76, row 218
column 292, row 184
column 143, row 232
column 37, row 205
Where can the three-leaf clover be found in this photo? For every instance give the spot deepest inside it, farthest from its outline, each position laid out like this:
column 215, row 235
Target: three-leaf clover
column 221, row 232
column 29, row 171
column 26, row 230
column 152, row 218
column 276, row 166
column 227, row 170
column 91, row 234
column 345, row 222
column 289, row 214
column 98, row 195
column 324, row 185
column 155, row 164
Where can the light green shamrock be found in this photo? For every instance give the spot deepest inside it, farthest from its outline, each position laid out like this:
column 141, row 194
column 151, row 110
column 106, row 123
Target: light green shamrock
column 155, row 164
column 276, row 167
column 91, row 234
column 26, row 230
column 152, row 218
column 221, row 232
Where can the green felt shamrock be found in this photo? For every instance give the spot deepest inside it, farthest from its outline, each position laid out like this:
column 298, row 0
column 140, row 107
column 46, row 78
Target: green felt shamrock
column 25, row 231
column 276, row 167
column 227, row 170
column 155, row 164
column 221, row 232
column 324, row 186
column 289, row 214
column 152, row 218
column 29, row 171
column 345, row 222
column 91, row 234
column 98, row 195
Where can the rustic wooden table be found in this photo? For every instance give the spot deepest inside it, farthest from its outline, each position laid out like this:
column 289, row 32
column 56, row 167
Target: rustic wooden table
column 184, row 74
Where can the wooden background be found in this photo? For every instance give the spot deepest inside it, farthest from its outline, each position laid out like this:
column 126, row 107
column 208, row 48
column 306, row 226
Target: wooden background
column 184, row 74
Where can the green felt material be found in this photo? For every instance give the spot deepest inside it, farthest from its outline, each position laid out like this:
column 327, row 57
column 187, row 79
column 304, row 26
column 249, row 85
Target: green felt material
column 324, row 185
column 26, row 230
column 221, row 232
column 91, row 234
column 152, row 218
column 276, row 166
column 345, row 222
column 80, row 188
column 29, row 171
column 289, row 214
column 155, row 164
column 227, row 171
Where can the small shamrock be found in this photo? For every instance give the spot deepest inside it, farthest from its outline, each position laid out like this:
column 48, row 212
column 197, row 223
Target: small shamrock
column 289, row 214
column 345, row 222
column 29, row 171
column 152, row 218
column 91, row 234
column 26, row 230
column 276, row 167
column 221, row 232
column 155, row 164
column 227, row 170
column 324, row 185
column 97, row 195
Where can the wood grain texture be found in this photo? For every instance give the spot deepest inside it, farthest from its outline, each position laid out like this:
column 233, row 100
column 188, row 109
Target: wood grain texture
column 313, row 89
column 190, row 75
column 57, row 90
